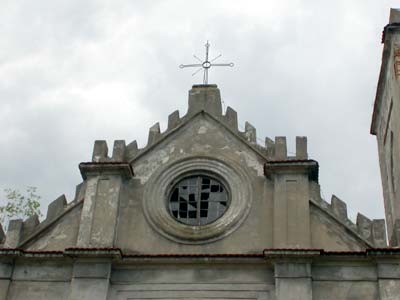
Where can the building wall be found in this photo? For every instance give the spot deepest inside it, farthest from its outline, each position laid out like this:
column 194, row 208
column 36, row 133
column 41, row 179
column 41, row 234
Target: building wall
column 39, row 280
column 339, row 278
column 203, row 281
column 386, row 123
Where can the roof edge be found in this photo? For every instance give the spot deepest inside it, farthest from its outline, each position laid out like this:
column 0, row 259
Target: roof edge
column 353, row 232
column 264, row 253
column 382, row 74
column 187, row 121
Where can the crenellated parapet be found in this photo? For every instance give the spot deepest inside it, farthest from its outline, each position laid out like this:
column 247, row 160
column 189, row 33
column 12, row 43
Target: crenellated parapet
column 21, row 232
column 280, row 152
column 204, row 99
column 280, row 162
column 372, row 232
column 100, row 152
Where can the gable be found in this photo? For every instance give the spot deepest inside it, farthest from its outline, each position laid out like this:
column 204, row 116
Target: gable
column 200, row 145
column 327, row 233
column 272, row 200
column 58, row 236
column 202, row 135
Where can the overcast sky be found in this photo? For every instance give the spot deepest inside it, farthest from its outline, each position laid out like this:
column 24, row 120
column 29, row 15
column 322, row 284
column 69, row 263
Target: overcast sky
column 75, row 71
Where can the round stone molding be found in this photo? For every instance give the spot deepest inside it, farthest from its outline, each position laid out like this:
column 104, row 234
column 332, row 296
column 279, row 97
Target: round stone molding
column 159, row 185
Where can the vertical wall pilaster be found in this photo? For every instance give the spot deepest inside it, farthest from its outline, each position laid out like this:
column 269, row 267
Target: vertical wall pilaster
column 100, row 208
column 5, row 278
column 291, row 177
column 14, row 232
column 388, row 280
column 291, row 211
column 90, row 280
column 293, row 280
column 86, row 221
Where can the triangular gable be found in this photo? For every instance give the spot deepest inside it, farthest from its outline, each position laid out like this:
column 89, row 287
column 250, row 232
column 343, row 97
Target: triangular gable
column 327, row 232
column 239, row 136
column 57, row 234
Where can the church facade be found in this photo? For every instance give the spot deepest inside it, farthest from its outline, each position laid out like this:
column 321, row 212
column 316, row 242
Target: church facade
column 201, row 212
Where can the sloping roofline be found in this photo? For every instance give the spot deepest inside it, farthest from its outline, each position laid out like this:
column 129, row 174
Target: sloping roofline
column 382, row 81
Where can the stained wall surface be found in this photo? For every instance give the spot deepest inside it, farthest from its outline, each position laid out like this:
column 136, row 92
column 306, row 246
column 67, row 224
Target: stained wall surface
column 198, row 278
column 386, row 121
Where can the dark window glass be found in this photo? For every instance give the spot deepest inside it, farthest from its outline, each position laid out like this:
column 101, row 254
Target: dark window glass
column 198, row 200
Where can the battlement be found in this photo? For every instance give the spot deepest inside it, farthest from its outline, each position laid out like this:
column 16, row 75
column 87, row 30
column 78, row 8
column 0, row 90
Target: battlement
column 202, row 98
column 100, row 151
column 373, row 232
column 394, row 15
column 20, row 232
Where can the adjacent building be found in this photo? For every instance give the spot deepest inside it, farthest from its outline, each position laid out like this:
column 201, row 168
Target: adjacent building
column 386, row 119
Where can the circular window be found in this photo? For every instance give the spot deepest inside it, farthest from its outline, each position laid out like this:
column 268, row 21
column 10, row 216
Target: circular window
column 198, row 200
column 226, row 184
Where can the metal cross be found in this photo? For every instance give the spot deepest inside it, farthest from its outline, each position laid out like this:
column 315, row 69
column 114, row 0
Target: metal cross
column 206, row 64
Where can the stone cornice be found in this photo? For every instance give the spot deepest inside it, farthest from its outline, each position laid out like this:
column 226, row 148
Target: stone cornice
column 392, row 27
column 106, row 168
column 270, row 253
column 307, row 166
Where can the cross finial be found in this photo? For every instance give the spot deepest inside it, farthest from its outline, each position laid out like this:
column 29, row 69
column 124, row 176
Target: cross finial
column 206, row 64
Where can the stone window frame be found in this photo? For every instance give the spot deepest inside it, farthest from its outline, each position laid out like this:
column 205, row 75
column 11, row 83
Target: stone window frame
column 155, row 199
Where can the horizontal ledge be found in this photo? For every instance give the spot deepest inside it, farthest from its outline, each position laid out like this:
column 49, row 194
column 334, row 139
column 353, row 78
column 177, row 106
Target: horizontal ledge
column 195, row 86
column 307, row 166
column 288, row 253
column 97, row 168
column 266, row 253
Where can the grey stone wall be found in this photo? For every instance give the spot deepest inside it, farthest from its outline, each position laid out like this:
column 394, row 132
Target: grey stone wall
column 386, row 121
column 201, row 281
column 279, row 276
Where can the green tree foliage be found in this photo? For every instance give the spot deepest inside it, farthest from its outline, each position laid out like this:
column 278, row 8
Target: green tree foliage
column 20, row 205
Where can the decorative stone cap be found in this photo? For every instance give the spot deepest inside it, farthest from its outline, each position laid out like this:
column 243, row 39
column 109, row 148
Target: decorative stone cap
column 394, row 15
column 109, row 168
column 196, row 86
column 93, row 252
column 292, row 166
column 205, row 97
column 291, row 253
column 117, row 253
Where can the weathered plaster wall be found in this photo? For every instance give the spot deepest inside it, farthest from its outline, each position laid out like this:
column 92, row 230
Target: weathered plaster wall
column 351, row 280
column 326, row 233
column 202, row 281
column 40, row 280
column 38, row 290
column 334, row 290
column 322, row 278
column 63, row 234
column 387, row 126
